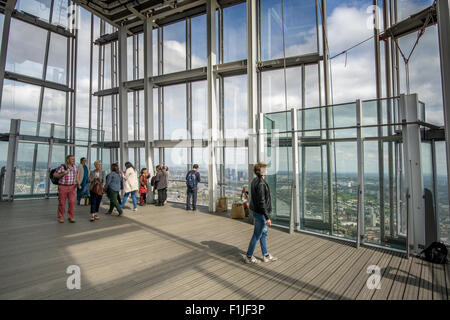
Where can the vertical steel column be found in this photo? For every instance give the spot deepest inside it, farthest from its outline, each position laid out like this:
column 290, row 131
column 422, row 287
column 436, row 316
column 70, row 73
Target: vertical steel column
column 11, row 162
column 413, row 173
column 9, row 8
column 295, row 166
column 444, row 46
column 360, row 157
column 212, row 108
column 252, row 87
column 328, row 119
column 387, row 53
column 189, row 126
column 148, row 95
column 161, row 92
column 376, row 31
column 123, row 96
column 221, row 125
column 91, row 61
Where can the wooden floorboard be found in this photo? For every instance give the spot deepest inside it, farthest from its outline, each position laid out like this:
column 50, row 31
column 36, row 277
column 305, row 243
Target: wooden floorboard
column 169, row 253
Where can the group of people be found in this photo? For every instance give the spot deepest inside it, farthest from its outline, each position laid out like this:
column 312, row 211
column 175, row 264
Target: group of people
column 96, row 182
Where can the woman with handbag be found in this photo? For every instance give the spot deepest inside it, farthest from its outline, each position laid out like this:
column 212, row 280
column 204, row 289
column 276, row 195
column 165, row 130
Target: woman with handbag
column 96, row 180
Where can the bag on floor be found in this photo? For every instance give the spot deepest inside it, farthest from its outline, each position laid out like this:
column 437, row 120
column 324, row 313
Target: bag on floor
column 436, row 253
column 84, row 201
column 222, row 205
column 237, row 211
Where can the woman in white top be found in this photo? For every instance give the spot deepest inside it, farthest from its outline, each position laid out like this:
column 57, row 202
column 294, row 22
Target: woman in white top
column 130, row 185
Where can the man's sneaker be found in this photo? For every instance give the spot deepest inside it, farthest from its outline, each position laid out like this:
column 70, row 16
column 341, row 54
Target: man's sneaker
column 135, row 209
column 269, row 258
column 251, row 260
column 61, row 220
column 71, row 220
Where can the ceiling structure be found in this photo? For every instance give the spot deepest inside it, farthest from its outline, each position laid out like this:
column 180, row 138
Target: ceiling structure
column 132, row 13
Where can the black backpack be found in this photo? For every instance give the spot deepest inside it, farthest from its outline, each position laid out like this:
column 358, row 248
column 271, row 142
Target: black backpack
column 436, row 253
column 52, row 178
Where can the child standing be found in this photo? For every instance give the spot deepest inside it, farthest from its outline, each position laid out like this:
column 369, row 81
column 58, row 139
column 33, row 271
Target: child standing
column 143, row 186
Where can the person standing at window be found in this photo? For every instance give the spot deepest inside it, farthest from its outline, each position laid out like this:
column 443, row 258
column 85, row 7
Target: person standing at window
column 260, row 205
column 192, row 180
column 161, row 186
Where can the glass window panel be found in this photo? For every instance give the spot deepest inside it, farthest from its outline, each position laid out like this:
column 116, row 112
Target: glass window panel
column 174, row 47
column 234, row 33
column 199, row 111
column 175, row 112
column 19, row 101
column 141, row 131
column 107, row 67
column 2, row 20
column 198, row 41
column 155, row 115
column 300, row 30
column 54, row 107
column 273, row 90
column 40, row 174
column 442, row 192
column 130, row 116
column 58, row 158
column 408, row 7
column 235, row 107
column 236, row 173
column 38, row 8
column 424, row 73
column 345, row 189
column 3, row 153
column 26, row 49
column 60, row 12
column 176, row 161
column 24, row 169
column 312, row 86
column 107, row 118
column 155, row 52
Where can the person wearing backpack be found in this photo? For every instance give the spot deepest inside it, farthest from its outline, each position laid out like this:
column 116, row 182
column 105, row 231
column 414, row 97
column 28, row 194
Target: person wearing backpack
column 192, row 180
column 67, row 175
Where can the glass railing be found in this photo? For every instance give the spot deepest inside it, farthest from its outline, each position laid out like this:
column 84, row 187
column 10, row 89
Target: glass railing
column 328, row 173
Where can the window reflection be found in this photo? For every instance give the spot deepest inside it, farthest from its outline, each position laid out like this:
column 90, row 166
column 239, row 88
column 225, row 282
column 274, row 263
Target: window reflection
column 26, row 49
column 174, row 47
column 235, row 107
column 38, row 8
column 234, row 33
column 175, row 112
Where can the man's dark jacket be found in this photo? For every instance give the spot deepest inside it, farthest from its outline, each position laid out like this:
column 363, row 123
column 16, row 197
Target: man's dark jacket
column 260, row 197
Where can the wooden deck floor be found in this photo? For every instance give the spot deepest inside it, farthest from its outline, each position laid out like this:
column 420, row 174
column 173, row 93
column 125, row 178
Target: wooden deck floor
column 168, row 253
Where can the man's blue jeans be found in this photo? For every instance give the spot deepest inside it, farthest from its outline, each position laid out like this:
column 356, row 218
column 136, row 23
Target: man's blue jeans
column 191, row 193
column 125, row 198
column 259, row 234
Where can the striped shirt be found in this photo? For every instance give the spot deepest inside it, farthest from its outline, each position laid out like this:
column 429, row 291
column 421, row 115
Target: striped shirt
column 70, row 178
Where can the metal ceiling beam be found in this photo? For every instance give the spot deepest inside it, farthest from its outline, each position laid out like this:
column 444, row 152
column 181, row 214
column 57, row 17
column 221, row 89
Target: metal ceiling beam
column 411, row 24
column 37, row 82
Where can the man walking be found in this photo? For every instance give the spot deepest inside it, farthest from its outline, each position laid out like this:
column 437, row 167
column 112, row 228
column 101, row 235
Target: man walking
column 192, row 180
column 67, row 176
